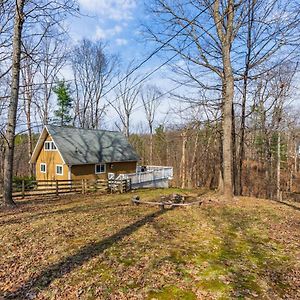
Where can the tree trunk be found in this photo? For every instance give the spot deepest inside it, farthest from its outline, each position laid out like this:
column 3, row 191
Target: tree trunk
column 126, row 129
column 27, row 108
column 183, row 160
column 220, row 180
column 244, row 98
column 278, row 168
column 193, row 169
column 242, row 139
column 29, row 134
column 13, row 104
column 227, row 124
column 295, row 158
column 234, row 158
column 151, row 144
column 226, row 37
column 46, row 101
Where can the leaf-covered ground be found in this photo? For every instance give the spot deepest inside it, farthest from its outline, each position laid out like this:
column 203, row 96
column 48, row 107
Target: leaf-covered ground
column 102, row 247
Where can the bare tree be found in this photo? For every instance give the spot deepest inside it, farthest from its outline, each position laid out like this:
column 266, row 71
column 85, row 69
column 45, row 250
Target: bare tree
column 6, row 28
column 28, row 73
column 269, row 30
column 127, row 94
column 151, row 99
column 272, row 95
column 26, row 13
column 51, row 57
column 214, row 50
column 13, row 105
column 93, row 71
column 213, row 53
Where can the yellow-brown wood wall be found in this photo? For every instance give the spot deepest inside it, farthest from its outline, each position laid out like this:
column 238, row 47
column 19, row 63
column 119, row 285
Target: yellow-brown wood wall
column 51, row 159
column 88, row 171
column 121, row 167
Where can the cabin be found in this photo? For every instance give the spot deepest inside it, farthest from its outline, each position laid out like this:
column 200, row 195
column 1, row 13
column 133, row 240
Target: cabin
column 68, row 153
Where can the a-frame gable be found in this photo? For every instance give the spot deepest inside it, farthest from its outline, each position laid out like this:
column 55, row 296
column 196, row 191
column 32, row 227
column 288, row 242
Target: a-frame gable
column 40, row 144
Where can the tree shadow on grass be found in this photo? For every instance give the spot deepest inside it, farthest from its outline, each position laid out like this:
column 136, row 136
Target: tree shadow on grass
column 68, row 264
column 247, row 256
column 287, row 204
column 45, row 201
column 29, row 205
column 77, row 209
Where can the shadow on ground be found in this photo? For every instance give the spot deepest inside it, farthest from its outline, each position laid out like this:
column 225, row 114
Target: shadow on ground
column 77, row 209
column 65, row 266
column 244, row 262
column 288, row 204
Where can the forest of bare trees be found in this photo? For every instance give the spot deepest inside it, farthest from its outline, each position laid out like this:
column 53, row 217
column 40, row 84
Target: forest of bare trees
column 233, row 119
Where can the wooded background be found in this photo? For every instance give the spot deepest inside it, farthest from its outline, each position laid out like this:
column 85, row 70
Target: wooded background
column 232, row 122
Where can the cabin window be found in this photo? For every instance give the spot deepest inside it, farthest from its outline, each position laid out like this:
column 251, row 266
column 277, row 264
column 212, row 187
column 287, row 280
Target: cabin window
column 59, row 170
column 49, row 146
column 43, row 168
column 100, row 168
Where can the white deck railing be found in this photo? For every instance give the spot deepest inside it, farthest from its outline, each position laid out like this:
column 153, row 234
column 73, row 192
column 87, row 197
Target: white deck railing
column 152, row 173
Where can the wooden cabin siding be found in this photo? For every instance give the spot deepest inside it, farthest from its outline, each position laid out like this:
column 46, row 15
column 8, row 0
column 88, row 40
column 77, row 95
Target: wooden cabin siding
column 121, row 167
column 51, row 159
column 88, row 171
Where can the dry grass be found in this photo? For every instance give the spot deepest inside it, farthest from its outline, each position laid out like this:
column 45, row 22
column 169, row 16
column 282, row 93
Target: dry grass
column 102, row 247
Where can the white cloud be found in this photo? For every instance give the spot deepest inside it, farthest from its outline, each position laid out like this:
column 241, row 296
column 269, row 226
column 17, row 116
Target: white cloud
column 111, row 9
column 121, row 42
column 102, row 33
column 66, row 72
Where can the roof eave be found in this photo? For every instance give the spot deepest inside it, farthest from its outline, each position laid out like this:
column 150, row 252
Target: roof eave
column 38, row 146
column 106, row 162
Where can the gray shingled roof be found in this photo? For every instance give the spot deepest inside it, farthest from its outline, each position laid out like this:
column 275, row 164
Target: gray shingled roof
column 86, row 146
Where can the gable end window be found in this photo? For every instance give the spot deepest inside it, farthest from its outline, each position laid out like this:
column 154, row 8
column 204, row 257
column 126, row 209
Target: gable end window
column 43, row 168
column 49, row 146
column 100, row 168
column 59, row 170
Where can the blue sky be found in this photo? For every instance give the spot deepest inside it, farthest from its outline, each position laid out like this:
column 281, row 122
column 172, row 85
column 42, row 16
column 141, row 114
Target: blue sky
column 113, row 21
column 118, row 23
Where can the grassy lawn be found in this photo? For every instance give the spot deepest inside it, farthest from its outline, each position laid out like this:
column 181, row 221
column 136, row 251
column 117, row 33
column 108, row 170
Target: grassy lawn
column 102, row 247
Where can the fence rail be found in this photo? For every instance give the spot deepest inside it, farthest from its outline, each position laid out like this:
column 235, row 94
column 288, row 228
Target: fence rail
column 31, row 188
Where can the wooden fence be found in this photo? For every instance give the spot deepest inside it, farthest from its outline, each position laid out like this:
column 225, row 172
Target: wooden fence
column 31, row 188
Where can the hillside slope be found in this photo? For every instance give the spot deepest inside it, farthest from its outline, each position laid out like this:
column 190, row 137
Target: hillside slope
column 102, row 247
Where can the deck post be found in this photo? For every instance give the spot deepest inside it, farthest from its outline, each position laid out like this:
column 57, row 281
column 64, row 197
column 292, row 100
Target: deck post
column 23, row 189
column 82, row 186
column 56, row 184
column 121, row 186
column 109, row 185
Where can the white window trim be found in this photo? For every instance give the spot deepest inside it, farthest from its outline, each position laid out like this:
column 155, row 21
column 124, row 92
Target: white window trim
column 46, row 142
column 45, row 168
column 100, row 168
column 51, row 146
column 62, row 169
